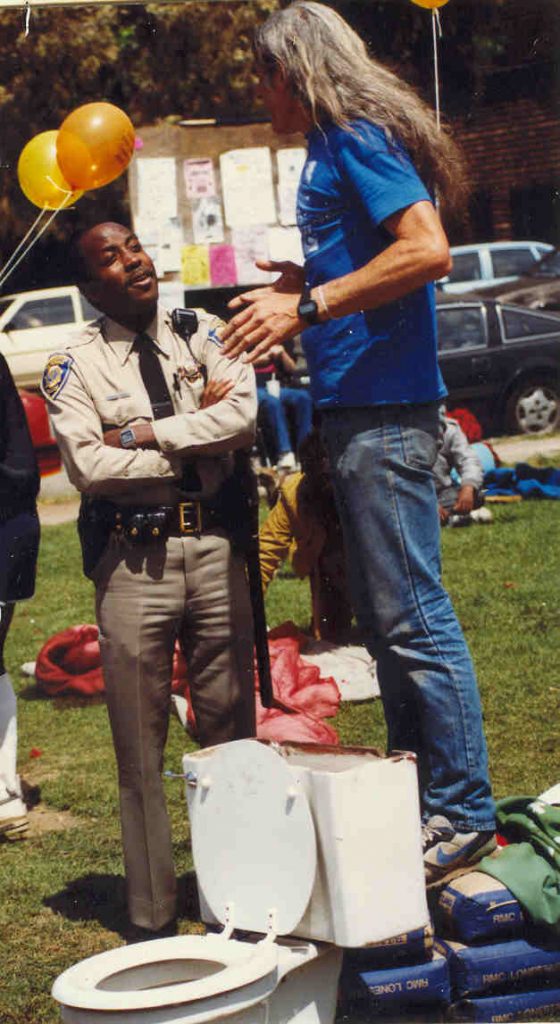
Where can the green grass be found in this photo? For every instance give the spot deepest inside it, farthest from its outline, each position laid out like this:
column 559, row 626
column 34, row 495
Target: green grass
column 62, row 891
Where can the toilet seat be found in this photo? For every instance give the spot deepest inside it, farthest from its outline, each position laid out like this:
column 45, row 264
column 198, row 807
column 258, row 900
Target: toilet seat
column 100, row 982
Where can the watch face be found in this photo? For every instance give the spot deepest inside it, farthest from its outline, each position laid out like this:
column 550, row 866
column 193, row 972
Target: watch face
column 308, row 310
column 128, row 439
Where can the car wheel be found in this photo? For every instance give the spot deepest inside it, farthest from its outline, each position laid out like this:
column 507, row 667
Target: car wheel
column 534, row 407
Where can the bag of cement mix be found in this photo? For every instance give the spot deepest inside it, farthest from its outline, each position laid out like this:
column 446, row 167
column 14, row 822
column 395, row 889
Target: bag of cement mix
column 410, row 947
column 398, row 987
column 478, row 908
column 502, row 966
column 520, row 1006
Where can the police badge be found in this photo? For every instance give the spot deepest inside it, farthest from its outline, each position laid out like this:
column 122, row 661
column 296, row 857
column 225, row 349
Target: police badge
column 56, row 373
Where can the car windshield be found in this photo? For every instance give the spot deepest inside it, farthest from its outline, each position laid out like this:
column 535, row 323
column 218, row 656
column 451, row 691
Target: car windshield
column 549, row 266
column 4, row 303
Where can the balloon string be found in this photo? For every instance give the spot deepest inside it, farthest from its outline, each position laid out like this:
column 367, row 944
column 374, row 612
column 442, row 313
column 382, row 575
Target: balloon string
column 19, row 247
column 11, row 264
column 436, row 32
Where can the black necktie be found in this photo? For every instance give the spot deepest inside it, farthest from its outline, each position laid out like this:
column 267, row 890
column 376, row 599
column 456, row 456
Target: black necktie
column 160, row 400
column 152, row 376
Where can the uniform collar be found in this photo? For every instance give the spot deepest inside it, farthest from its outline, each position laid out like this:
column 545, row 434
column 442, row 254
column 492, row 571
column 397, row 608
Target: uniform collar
column 121, row 339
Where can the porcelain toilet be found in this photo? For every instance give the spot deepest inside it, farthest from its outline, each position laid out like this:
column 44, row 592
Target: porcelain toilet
column 305, row 850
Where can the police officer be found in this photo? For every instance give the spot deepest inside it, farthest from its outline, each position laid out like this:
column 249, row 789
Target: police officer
column 147, row 420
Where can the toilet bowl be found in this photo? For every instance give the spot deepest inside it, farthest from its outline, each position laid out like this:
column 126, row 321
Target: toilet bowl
column 291, row 843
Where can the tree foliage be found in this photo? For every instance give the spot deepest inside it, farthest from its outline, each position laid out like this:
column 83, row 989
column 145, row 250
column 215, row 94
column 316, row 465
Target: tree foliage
column 194, row 60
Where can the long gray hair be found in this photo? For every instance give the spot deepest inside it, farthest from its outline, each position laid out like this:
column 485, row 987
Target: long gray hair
column 329, row 69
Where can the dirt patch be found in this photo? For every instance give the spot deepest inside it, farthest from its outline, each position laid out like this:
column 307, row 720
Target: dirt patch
column 523, row 448
column 51, row 513
column 44, row 819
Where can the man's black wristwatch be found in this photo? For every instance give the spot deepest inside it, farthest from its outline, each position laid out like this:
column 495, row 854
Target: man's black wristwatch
column 307, row 307
column 128, row 438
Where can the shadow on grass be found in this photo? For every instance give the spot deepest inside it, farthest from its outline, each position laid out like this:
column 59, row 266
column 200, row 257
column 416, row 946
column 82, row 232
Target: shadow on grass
column 102, row 898
column 65, row 702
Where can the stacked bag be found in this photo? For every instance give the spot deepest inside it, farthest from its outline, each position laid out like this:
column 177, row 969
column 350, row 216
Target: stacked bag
column 499, row 969
column 485, row 964
column 495, row 956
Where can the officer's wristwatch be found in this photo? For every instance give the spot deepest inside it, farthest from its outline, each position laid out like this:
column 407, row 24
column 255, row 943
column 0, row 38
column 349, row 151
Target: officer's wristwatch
column 307, row 307
column 128, row 438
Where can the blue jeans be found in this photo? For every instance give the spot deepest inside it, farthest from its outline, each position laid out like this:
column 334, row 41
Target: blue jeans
column 300, row 401
column 382, row 460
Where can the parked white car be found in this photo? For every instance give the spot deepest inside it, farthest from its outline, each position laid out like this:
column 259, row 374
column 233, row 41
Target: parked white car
column 490, row 263
column 34, row 324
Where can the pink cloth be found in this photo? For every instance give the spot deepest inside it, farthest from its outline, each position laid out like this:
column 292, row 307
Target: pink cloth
column 70, row 662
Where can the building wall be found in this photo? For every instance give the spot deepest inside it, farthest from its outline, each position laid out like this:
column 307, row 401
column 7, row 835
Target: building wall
column 513, row 151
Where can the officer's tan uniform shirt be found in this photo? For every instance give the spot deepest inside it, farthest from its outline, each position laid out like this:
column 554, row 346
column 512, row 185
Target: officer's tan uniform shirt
column 102, row 388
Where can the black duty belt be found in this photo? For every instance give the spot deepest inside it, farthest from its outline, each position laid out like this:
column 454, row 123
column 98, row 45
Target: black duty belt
column 143, row 524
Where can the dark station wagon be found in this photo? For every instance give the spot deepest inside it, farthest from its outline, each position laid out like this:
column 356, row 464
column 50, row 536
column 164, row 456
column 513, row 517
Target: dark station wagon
column 502, row 362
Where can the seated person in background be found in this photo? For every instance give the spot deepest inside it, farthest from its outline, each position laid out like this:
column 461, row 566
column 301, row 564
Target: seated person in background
column 304, row 524
column 458, row 476
column 275, row 395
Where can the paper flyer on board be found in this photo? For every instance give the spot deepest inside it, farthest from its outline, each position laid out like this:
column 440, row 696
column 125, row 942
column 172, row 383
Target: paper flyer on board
column 290, row 163
column 247, row 187
column 223, row 269
column 199, row 178
column 285, row 244
column 195, row 266
column 207, row 220
column 157, row 188
column 250, row 244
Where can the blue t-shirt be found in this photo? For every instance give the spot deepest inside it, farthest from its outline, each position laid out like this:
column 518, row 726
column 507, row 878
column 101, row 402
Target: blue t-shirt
column 351, row 182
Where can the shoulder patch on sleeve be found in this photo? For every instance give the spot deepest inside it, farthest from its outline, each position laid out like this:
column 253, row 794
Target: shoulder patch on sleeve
column 56, row 373
column 214, row 336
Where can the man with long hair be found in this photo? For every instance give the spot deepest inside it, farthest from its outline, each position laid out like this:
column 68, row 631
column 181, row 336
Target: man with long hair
column 373, row 245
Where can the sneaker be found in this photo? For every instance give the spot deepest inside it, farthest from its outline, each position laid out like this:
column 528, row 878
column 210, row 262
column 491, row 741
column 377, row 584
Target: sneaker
column 287, row 460
column 445, row 850
column 481, row 515
column 458, row 519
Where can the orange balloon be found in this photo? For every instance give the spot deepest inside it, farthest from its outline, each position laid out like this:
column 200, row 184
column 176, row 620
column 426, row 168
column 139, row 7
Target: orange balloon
column 430, row 4
column 40, row 177
column 95, row 144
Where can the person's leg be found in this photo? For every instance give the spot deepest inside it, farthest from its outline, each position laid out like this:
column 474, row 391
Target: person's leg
column 13, row 815
column 140, row 602
column 382, row 463
column 300, row 401
column 277, row 418
column 216, row 636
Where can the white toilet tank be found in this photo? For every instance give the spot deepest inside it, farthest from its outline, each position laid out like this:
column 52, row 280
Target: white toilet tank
column 320, row 842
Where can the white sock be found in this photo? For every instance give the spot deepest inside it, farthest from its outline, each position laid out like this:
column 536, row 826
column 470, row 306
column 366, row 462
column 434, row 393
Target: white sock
column 9, row 779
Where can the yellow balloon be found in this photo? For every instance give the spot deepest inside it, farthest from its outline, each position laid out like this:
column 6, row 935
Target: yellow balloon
column 430, row 4
column 40, row 177
column 95, row 144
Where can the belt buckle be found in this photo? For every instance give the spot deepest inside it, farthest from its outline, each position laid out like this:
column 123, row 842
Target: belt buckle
column 190, row 518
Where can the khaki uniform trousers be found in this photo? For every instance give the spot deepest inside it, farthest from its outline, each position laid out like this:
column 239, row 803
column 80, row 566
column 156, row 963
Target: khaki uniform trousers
column 194, row 589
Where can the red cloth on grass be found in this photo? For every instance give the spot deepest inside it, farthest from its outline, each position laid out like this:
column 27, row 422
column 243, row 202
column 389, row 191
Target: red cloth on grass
column 70, row 662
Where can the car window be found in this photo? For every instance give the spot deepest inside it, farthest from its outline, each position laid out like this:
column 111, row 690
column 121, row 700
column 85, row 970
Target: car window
column 466, row 267
column 4, row 303
column 89, row 312
column 43, row 313
column 460, row 328
column 512, row 262
column 549, row 266
column 520, row 324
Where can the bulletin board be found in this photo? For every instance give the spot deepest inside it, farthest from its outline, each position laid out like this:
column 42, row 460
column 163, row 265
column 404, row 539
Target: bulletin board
column 207, row 200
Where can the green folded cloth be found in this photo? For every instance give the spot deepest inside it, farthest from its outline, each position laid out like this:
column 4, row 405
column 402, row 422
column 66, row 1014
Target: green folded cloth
column 530, row 866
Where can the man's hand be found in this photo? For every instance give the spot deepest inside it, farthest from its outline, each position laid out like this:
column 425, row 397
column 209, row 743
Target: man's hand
column 465, row 500
column 268, row 315
column 143, row 432
column 214, row 391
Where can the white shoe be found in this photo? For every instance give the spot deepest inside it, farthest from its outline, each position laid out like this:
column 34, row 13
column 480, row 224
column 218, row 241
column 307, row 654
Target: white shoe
column 481, row 515
column 286, row 461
